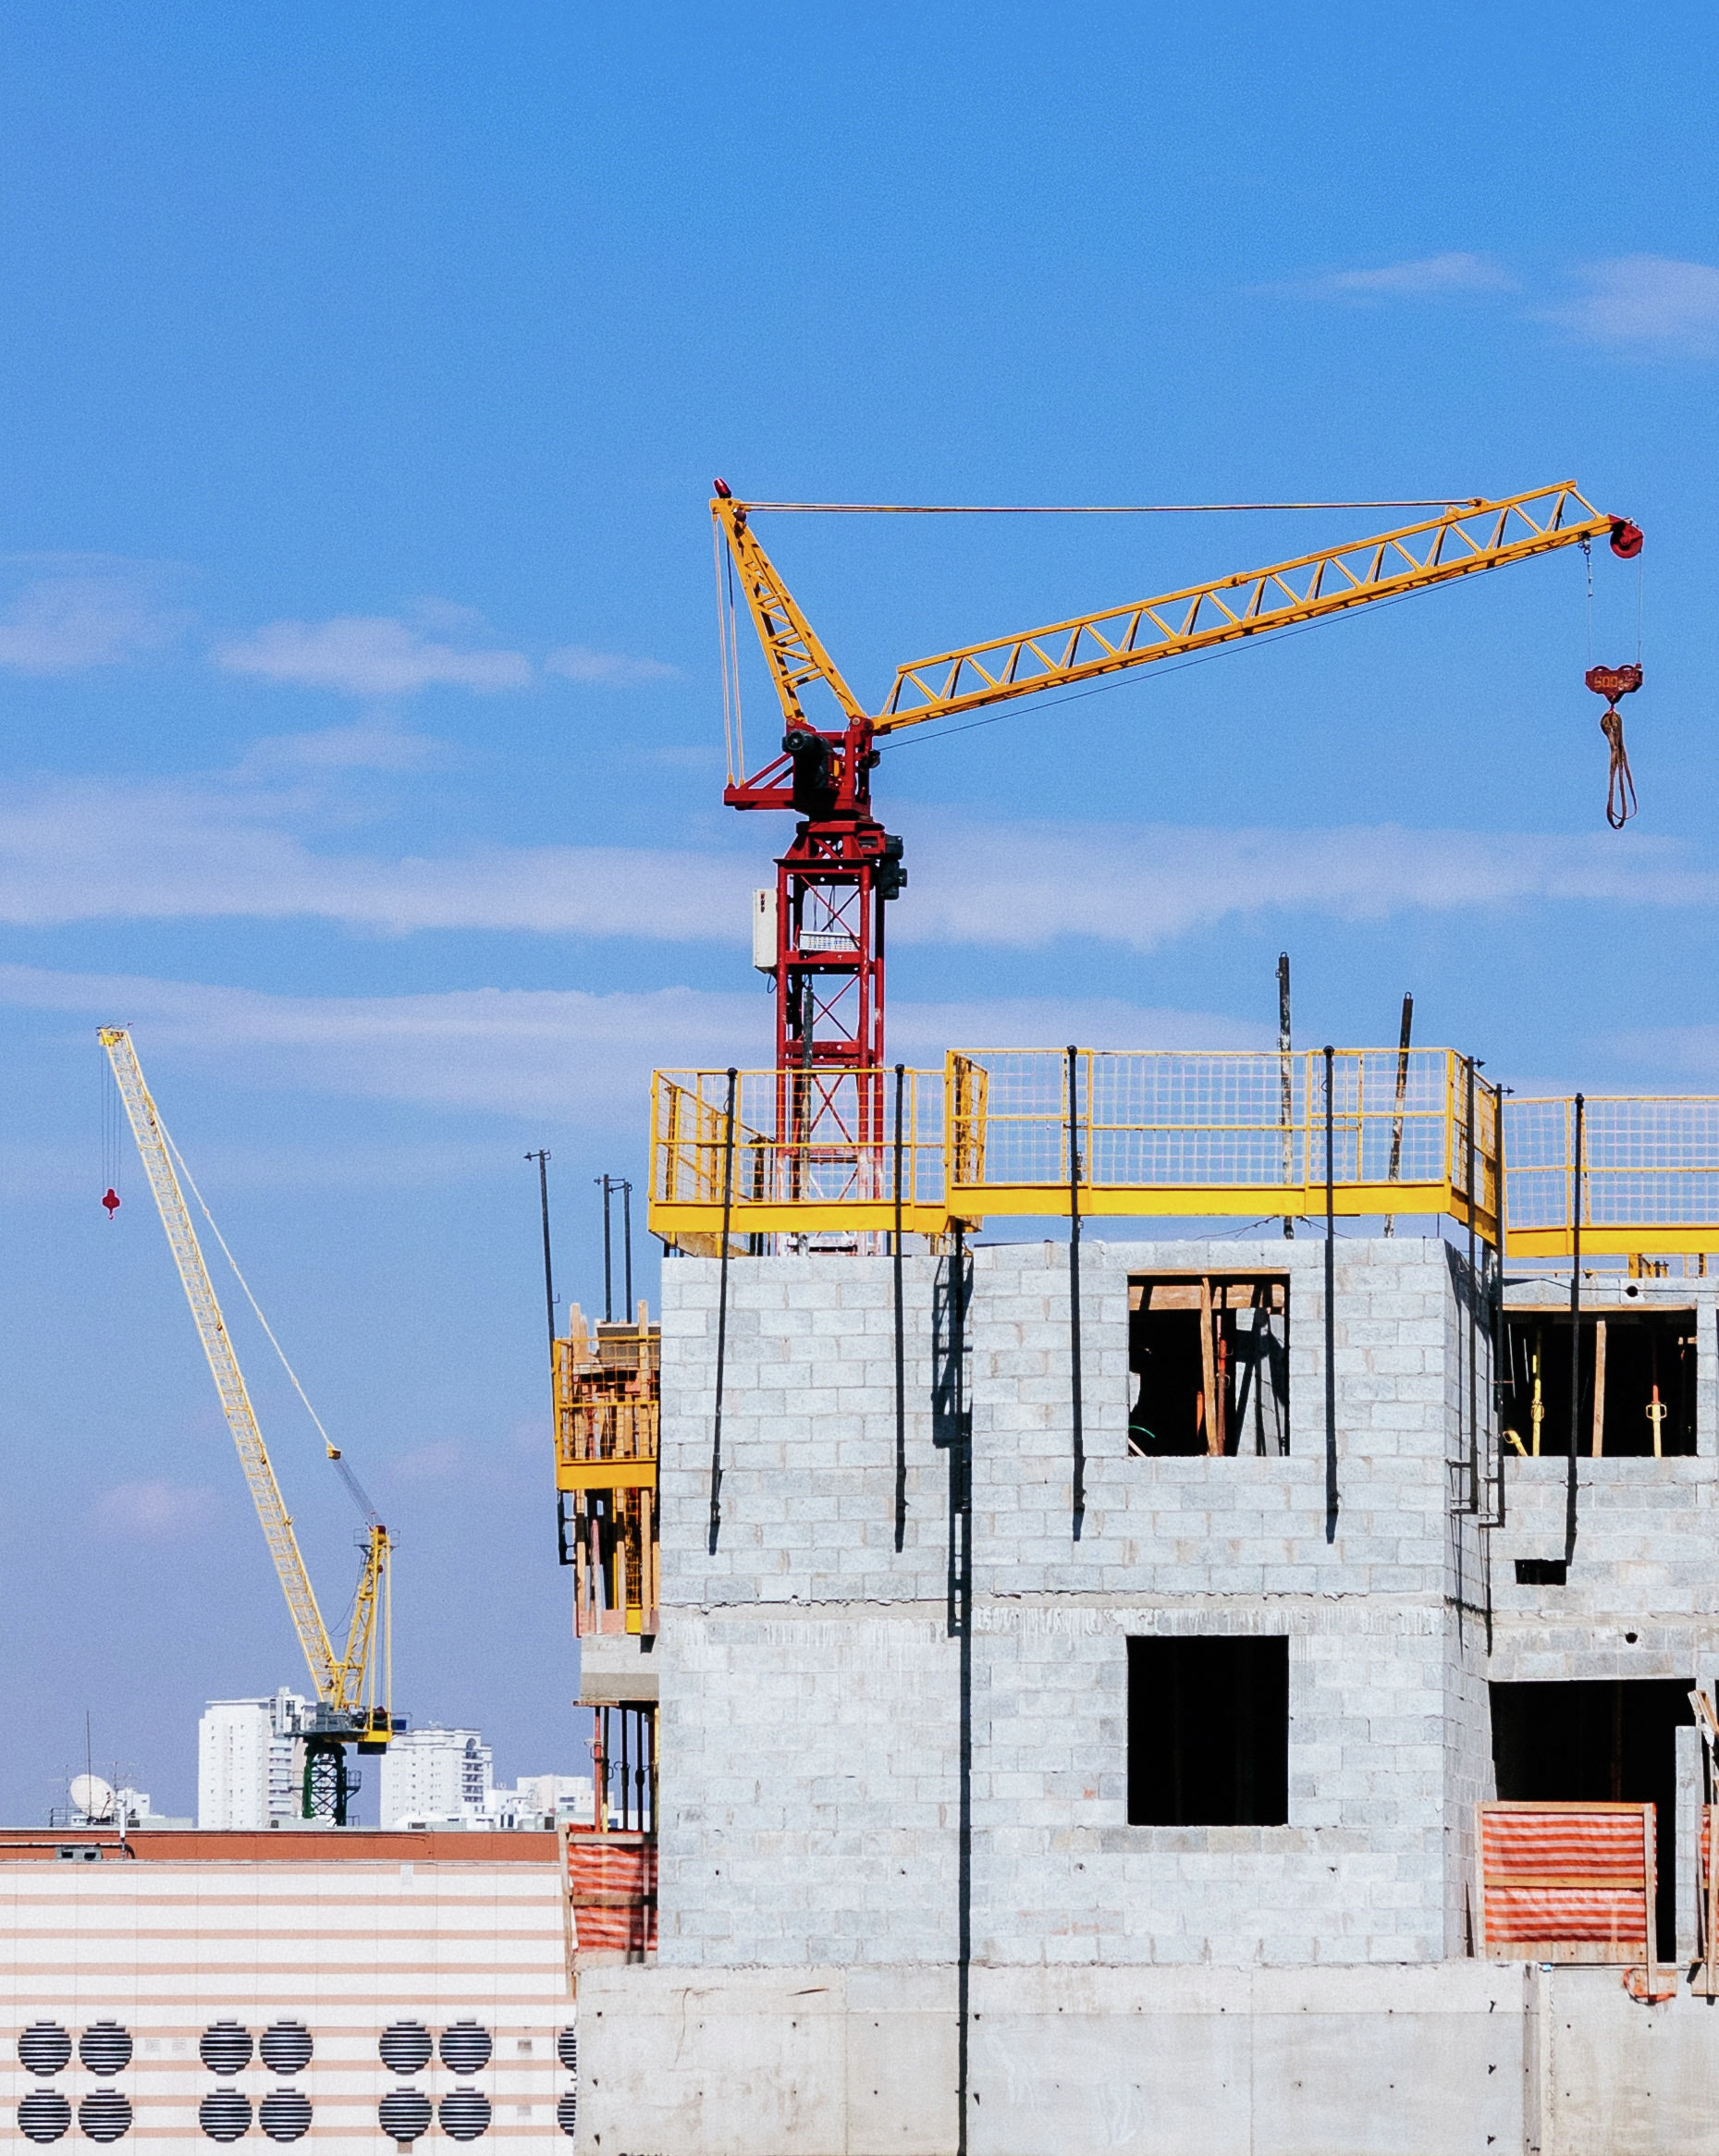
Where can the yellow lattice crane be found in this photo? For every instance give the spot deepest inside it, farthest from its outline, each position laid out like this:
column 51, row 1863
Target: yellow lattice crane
column 354, row 1704
column 820, row 932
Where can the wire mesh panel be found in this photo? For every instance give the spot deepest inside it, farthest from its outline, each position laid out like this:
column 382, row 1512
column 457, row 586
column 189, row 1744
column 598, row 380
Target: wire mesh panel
column 1650, row 1173
column 1169, row 1130
column 811, row 1147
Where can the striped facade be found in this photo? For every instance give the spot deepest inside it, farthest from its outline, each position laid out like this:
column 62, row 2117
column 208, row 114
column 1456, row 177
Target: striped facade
column 167, row 1966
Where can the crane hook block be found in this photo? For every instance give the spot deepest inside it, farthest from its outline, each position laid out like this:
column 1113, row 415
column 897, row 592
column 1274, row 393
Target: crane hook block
column 110, row 1198
column 1613, row 681
column 1626, row 540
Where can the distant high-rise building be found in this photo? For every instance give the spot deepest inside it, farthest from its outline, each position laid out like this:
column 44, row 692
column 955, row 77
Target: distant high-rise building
column 441, row 1775
column 250, row 1760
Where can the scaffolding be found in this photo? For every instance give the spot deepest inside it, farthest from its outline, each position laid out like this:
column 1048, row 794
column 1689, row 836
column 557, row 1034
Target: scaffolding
column 607, row 1422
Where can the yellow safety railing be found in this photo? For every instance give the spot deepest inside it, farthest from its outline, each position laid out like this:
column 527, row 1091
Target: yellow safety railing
column 810, row 1151
column 1650, row 1175
column 1180, row 1134
column 1158, row 1132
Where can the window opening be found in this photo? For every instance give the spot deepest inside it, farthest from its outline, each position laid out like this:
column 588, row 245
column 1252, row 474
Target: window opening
column 1209, row 1732
column 1209, row 1354
column 1600, row 1741
column 1637, row 1384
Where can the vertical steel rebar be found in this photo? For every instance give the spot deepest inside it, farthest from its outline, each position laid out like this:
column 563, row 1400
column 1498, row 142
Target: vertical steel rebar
column 1331, row 1300
column 1576, row 1327
column 549, row 1271
column 728, row 1215
column 1077, row 1405
column 1474, row 1317
column 901, row 1329
column 1394, row 1172
column 1285, row 1082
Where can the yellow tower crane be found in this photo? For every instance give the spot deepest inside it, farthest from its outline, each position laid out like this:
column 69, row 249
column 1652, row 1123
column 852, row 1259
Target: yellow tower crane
column 353, row 1688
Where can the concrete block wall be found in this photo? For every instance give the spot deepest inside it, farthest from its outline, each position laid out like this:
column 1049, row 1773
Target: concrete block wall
column 810, row 1681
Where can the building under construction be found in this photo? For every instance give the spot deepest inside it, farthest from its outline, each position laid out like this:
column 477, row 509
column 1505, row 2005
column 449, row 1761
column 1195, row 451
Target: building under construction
column 1229, row 1692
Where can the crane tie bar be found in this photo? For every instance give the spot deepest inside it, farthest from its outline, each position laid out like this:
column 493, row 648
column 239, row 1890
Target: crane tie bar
column 1471, row 501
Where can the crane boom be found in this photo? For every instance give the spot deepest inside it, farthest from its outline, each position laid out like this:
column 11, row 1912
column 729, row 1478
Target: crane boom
column 345, row 1683
column 1489, row 534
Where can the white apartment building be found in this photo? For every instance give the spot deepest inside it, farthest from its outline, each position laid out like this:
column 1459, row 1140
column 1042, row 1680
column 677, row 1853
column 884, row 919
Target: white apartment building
column 444, row 1775
column 250, row 1760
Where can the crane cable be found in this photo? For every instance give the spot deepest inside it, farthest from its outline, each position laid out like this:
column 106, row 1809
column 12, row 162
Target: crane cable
column 1620, row 785
column 333, row 1450
column 1463, row 501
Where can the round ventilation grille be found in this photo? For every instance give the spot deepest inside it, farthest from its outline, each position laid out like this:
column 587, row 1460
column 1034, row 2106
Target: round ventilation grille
column 43, row 2048
column 225, row 2048
column 226, row 2115
column 104, row 2115
column 464, row 2114
column 405, row 2048
column 465, row 2047
column 105, row 2047
column 286, row 2115
column 404, row 2114
column 566, row 2114
column 285, row 2048
column 44, row 2115
column 567, row 2049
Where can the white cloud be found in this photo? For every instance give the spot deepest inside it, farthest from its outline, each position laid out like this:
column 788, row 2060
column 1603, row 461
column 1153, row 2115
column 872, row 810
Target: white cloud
column 1689, row 1051
column 210, row 849
column 1646, row 300
column 606, row 669
column 370, row 654
column 564, row 1053
column 1437, row 276
column 155, row 1510
column 1143, row 885
column 374, row 745
column 83, row 610
column 233, row 849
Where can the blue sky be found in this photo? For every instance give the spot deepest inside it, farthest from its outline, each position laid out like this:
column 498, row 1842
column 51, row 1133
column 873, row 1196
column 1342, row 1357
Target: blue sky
column 364, row 372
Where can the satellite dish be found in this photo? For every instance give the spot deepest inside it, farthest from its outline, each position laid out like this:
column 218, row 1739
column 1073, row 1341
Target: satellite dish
column 92, row 1796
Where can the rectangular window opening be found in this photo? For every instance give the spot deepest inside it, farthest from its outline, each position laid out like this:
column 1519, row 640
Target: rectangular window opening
column 1209, row 1732
column 1210, row 1358
column 1637, row 1384
column 1599, row 1741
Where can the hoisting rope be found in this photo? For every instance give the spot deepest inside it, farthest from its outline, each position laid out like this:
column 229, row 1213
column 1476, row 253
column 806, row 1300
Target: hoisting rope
column 1620, row 787
column 333, row 1451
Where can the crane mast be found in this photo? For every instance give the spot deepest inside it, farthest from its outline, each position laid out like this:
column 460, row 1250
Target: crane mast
column 348, row 1710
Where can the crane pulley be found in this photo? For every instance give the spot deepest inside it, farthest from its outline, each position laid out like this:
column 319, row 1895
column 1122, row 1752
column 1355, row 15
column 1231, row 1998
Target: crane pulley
column 842, row 868
column 353, row 1686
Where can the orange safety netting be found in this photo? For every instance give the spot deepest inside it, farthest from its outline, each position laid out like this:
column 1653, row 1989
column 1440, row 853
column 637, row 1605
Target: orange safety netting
column 611, row 1883
column 1567, row 1881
